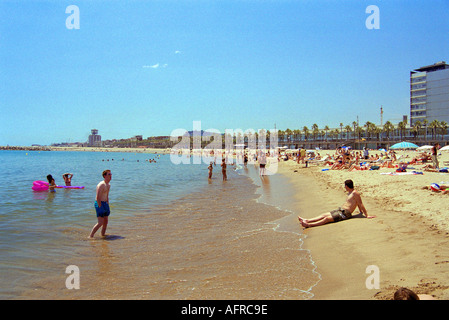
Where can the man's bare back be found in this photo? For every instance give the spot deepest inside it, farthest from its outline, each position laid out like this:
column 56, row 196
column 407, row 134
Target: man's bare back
column 353, row 201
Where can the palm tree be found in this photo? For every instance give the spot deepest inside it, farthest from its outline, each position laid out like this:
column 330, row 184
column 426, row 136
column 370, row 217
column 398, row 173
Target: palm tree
column 306, row 132
column 288, row 132
column 331, row 134
column 434, row 125
column 281, row 133
column 341, row 131
column 326, row 129
column 418, row 126
column 335, row 133
column 314, row 130
column 348, row 129
column 425, row 122
column 415, row 130
column 443, row 126
column 388, row 126
column 296, row 134
column 369, row 128
column 323, row 135
column 377, row 131
column 401, row 126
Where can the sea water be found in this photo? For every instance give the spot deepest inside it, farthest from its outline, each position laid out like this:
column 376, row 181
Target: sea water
column 172, row 233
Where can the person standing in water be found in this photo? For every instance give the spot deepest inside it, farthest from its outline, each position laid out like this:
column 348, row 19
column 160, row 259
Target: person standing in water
column 223, row 169
column 210, row 170
column 67, row 178
column 51, row 183
column 102, row 204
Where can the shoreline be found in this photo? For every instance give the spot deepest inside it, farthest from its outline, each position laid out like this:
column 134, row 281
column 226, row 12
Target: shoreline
column 407, row 241
column 102, row 149
column 86, row 149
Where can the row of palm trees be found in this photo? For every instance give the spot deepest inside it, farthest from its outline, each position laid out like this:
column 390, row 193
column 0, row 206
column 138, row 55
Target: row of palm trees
column 369, row 131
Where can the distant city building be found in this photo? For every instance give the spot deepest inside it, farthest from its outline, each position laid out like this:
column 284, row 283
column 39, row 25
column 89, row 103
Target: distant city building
column 94, row 139
column 429, row 93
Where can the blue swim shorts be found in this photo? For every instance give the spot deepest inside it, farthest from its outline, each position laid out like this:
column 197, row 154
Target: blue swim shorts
column 102, row 211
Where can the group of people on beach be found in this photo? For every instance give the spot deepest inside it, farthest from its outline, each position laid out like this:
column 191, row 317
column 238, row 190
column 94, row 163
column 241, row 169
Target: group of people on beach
column 260, row 157
column 345, row 158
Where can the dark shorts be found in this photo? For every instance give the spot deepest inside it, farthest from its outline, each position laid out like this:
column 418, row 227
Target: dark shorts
column 102, row 211
column 340, row 214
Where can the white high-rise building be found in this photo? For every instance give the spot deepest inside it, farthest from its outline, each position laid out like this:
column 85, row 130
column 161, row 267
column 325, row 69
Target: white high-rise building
column 429, row 93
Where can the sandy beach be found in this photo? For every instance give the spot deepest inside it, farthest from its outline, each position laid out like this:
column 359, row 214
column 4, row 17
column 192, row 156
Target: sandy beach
column 407, row 241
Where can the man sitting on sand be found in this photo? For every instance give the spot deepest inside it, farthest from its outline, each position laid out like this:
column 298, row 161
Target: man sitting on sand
column 345, row 212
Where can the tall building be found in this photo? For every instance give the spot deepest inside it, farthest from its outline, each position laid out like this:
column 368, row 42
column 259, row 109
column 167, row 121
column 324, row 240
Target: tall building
column 94, row 139
column 429, row 93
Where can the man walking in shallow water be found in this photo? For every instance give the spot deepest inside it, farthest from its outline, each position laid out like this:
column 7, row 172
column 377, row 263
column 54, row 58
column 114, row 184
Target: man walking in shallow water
column 353, row 201
column 102, row 204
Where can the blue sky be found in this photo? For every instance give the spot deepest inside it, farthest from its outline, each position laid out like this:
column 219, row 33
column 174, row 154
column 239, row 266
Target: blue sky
column 150, row 67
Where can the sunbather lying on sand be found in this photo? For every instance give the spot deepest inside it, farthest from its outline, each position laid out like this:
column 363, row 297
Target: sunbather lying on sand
column 431, row 168
column 361, row 166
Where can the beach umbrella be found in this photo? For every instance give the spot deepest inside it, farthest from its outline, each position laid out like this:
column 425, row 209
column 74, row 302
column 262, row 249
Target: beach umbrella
column 445, row 148
column 404, row 145
column 424, row 148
